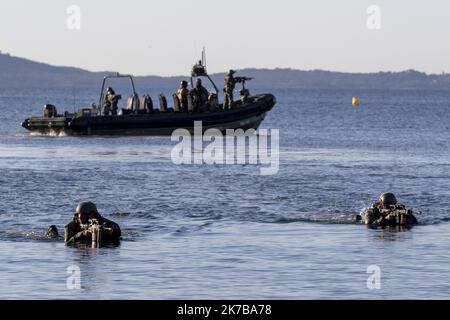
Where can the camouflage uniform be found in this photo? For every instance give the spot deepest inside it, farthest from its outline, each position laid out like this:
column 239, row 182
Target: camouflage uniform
column 76, row 231
column 230, row 84
column 200, row 95
column 114, row 100
column 392, row 215
column 111, row 102
column 107, row 106
column 182, row 95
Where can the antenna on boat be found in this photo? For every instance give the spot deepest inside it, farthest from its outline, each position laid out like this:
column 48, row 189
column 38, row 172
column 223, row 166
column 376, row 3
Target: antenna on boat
column 204, row 57
column 74, row 98
column 199, row 70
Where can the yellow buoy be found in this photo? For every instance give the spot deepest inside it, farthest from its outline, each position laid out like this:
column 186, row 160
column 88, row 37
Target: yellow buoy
column 355, row 102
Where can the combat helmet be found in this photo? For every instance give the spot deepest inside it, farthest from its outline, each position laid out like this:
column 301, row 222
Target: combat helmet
column 231, row 71
column 86, row 207
column 388, row 199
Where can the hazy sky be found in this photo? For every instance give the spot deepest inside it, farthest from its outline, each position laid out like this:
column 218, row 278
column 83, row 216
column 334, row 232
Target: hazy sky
column 166, row 37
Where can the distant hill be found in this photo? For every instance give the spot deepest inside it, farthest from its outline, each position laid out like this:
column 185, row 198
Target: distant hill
column 19, row 72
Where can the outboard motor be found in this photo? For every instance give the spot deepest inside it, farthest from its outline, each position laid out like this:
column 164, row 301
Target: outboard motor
column 50, row 111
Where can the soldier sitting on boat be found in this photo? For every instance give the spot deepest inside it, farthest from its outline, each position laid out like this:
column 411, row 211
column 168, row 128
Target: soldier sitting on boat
column 111, row 102
column 89, row 226
column 94, row 109
column 182, row 94
column 388, row 213
column 200, row 95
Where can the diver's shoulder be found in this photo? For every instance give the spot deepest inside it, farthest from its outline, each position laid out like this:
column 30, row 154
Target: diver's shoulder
column 71, row 225
column 110, row 223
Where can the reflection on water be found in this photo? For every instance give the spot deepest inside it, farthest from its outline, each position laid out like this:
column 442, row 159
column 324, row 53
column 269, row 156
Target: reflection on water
column 391, row 229
column 83, row 245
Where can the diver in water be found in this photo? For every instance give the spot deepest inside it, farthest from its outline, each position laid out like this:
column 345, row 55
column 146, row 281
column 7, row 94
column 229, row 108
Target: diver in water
column 52, row 232
column 388, row 212
column 89, row 226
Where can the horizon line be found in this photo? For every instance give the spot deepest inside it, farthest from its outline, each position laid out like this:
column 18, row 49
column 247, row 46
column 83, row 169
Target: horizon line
column 219, row 73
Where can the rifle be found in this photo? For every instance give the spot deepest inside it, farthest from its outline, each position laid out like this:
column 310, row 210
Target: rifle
column 395, row 214
column 96, row 230
column 242, row 79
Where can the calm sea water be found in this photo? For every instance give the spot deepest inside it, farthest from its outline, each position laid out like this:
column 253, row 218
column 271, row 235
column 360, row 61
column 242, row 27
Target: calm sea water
column 226, row 232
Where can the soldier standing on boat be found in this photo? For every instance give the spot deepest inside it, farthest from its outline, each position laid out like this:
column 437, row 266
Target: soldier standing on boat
column 228, row 89
column 200, row 95
column 111, row 100
column 182, row 94
column 108, row 101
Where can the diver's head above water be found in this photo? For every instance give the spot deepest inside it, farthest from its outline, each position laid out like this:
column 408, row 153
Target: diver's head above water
column 387, row 199
column 86, row 210
column 52, row 232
